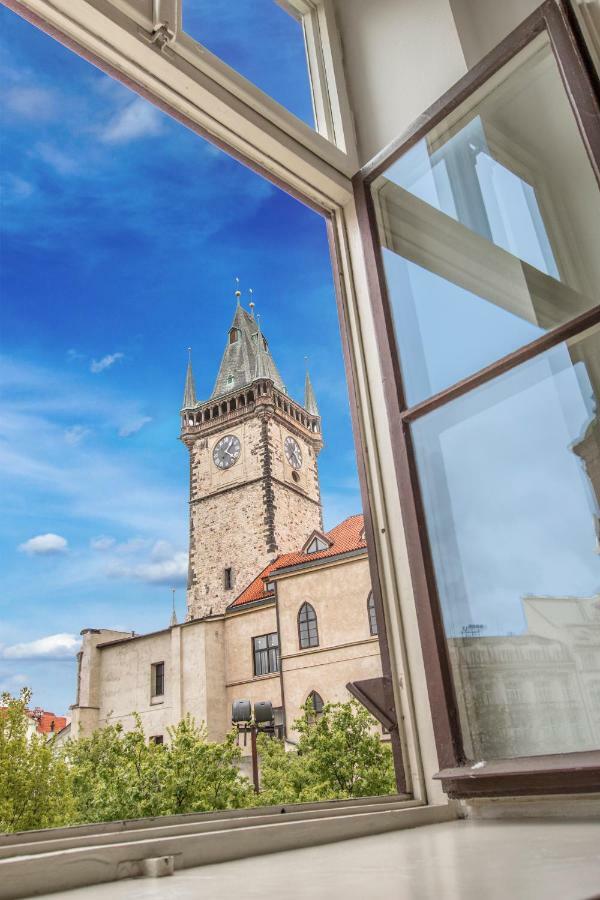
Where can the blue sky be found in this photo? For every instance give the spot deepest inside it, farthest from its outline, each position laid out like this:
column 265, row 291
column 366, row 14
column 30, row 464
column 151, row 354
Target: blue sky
column 121, row 236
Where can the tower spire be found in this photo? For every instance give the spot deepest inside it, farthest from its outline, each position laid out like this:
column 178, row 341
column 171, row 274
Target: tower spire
column 173, row 613
column 310, row 402
column 262, row 365
column 189, row 393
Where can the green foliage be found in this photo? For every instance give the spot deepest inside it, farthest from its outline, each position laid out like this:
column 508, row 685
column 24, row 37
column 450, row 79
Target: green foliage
column 339, row 756
column 120, row 775
column 115, row 774
column 34, row 782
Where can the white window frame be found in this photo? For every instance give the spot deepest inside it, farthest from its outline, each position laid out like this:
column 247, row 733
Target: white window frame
column 199, row 90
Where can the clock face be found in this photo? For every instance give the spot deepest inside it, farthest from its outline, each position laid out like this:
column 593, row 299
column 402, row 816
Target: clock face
column 227, row 452
column 292, row 452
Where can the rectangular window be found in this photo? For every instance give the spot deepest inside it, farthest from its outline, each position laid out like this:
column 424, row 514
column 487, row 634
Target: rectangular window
column 157, row 739
column 482, row 232
column 228, row 579
column 265, row 649
column 158, row 679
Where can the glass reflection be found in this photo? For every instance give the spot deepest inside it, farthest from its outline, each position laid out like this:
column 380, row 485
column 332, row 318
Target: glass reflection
column 488, row 227
column 510, row 476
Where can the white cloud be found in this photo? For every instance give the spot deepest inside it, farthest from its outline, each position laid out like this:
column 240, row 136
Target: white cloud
column 134, row 426
column 138, row 119
column 54, row 646
column 17, row 188
column 44, row 545
column 73, row 354
column 57, row 159
column 99, row 365
column 102, row 542
column 13, row 683
column 30, row 103
column 75, row 434
column 170, row 570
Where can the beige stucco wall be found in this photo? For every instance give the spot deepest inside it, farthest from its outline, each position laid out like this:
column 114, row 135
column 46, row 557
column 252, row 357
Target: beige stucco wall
column 347, row 651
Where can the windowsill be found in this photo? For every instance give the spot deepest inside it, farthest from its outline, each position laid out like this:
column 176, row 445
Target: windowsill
column 561, row 773
column 37, row 861
column 156, row 701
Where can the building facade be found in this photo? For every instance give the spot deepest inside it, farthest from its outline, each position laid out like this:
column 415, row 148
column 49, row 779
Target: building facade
column 277, row 609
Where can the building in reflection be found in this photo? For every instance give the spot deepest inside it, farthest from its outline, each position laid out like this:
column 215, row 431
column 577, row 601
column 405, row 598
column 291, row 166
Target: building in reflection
column 520, row 694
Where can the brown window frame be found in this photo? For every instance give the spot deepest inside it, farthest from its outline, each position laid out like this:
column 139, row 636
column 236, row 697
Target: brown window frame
column 548, row 774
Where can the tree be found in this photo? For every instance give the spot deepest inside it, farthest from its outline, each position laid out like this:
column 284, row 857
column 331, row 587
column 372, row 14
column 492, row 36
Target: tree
column 34, row 781
column 120, row 775
column 338, row 756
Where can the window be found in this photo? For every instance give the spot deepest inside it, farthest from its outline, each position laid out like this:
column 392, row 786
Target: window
column 233, row 337
column 266, row 653
column 316, row 545
column 372, row 614
column 279, row 722
column 157, row 739
column 316, row 702
column 228, row 579
column 494, row 338
column 158, row 679
column 307, row 627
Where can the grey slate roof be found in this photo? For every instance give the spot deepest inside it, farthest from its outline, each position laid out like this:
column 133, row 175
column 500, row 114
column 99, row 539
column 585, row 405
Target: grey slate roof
column 310, row 401
column 242, row 359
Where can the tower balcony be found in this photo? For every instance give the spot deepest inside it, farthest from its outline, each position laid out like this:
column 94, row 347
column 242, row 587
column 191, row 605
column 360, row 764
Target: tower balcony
column 230, row 406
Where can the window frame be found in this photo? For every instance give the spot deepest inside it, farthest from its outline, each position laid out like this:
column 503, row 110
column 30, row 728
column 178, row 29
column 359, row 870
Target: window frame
column 553, row 773
column 372, row 615
column 155, row 668
column 309, row 610
column 267, row 651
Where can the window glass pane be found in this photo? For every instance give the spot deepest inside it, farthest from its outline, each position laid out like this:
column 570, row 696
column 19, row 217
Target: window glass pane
column 261, row 41
column 489, row 227
column 510, row 476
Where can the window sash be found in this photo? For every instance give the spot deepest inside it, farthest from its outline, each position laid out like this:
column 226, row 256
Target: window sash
column 158, row 679
column 576, row 771
column 265, row 648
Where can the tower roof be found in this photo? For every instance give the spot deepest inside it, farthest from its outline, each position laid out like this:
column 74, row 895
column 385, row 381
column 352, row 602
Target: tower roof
column 189, row 393
column 245, row 353
column 310, row 402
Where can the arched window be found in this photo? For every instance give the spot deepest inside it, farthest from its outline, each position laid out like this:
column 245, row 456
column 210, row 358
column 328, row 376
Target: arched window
column 308, row 634
column 316, row 701
column 233, row 335
column 371, row 614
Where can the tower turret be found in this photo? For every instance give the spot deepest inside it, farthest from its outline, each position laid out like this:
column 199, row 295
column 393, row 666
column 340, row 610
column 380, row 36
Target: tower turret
column 254, row 481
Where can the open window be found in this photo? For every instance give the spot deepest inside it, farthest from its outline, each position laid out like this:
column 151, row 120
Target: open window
column 479, row 226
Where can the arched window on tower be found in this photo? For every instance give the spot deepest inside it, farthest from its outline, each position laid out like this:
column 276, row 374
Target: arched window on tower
column 371, row 613
column 308, row 634
column 234, row 335
column 315, row 701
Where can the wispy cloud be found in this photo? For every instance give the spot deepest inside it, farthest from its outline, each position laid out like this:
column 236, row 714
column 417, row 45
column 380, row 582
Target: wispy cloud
column 61, row 162
column 102, row 542
column 99, row 365
column 53, row 646
column 75, row 434
column 134, row 426
column 138, row 119
column 31, row 103
column 172, row 571
column 13, row 683
column 44, row 545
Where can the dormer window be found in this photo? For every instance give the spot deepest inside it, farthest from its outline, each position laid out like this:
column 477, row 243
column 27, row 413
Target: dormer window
column 316, row 544
column 234, row 335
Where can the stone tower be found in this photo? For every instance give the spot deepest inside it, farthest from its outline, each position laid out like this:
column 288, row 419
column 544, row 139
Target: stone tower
column 254, row 482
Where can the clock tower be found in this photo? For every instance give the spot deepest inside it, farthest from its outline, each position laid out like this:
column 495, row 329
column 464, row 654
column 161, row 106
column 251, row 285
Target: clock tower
column 254, row 482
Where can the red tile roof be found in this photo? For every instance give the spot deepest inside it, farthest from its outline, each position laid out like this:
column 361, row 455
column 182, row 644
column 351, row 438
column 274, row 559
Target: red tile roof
column 345, row 537
column 43, row 720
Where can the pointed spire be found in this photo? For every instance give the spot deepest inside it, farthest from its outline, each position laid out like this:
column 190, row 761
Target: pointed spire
column 173, row 613
column 238, row 293
column 189, row 393
column 262, row 363
column 310, row 402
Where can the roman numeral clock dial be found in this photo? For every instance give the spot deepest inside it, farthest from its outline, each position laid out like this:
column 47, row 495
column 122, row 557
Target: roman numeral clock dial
column 227, row 452
column 293, row 453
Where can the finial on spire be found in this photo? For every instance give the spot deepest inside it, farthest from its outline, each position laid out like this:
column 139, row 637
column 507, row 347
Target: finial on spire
column 238, row 293
column 251, row 304
column 173, row 613
column 189, row 392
